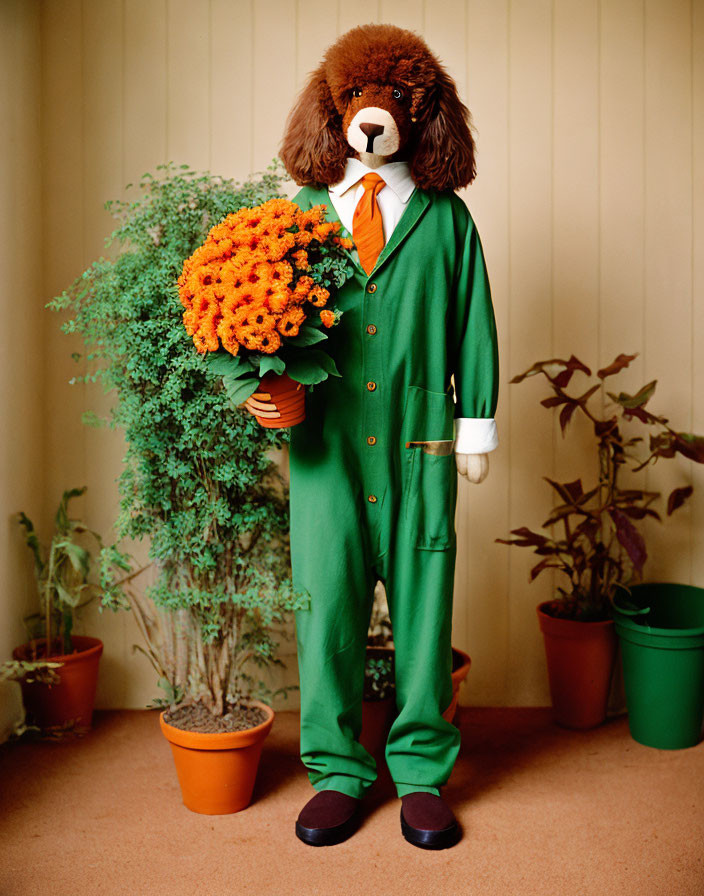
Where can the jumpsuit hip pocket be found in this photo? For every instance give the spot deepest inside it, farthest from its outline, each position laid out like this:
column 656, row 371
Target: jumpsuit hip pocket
column 430, row 488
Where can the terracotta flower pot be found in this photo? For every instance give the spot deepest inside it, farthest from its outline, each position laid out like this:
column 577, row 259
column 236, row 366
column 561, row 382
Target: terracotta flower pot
column 461, row 662
column 378, row 715
column 68, row 703
column 217, row 771
column 289, row 398
column 580, row 658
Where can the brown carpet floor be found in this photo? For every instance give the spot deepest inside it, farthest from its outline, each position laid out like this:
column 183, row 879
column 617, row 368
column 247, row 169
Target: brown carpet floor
column 544, row 810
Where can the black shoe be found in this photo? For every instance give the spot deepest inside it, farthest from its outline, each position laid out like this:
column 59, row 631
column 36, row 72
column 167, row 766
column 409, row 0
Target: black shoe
column 427, row 821
column 327, row 818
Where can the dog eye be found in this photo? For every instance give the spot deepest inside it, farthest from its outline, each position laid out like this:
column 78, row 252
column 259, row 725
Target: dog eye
column 397, row 93
column 356, row 91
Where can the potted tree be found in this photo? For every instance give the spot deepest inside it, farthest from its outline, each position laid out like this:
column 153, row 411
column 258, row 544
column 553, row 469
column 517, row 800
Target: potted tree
column 600, row 550
column 64, row 701
column 199, row 481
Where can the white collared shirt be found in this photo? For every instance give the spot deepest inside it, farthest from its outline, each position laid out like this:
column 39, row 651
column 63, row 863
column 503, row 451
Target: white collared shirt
column 473, row 435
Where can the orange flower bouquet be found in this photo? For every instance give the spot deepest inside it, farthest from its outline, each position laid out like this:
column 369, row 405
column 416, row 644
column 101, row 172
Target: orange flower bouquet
column 258, row 295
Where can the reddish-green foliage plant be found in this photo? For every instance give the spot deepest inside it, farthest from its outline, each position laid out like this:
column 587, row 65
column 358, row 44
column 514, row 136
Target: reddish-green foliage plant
column 602, row 548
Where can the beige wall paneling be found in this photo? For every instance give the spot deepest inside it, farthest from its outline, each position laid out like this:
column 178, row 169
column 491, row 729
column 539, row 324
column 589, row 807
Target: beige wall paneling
column 102, row 57
column 188, row 72
column 697, row 519
column 274, row 75
column 63, row 155
column 22, row 404
column 530, row 330
column 575, row 228
column 409, row 14
column 482, row 583
column 589, row 124
column 316, row 30
column 145, row 89
column 231, row 82
column 349, row 15
column 668, row 263
column 621, row 199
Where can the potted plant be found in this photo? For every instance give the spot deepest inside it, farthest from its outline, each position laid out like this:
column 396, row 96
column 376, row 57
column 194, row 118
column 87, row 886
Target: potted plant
column 199, row 481
column 28, row 671
column 379, row 696
column 62, row 572
column 258, row 297
column 600, row 550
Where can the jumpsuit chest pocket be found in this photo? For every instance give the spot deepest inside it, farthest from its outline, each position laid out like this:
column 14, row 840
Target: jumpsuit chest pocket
column 430, row 486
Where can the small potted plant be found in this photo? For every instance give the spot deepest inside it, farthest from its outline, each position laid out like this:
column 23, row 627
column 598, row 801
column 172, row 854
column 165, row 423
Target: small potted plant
column 379, row 696
column 29, row 672
column 199, row 481
column 62, row 572
column 600, row 549
column 258, row 296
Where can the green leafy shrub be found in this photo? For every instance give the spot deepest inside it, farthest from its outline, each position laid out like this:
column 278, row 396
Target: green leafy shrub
column 198, row 480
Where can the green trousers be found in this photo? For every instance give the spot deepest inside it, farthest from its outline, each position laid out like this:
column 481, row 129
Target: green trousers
column 341, row 544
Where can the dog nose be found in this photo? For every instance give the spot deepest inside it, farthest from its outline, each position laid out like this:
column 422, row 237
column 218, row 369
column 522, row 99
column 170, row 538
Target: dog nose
column 371, row 131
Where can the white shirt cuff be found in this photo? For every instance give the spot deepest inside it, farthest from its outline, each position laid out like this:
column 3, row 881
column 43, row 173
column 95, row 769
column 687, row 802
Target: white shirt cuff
column 475, row 435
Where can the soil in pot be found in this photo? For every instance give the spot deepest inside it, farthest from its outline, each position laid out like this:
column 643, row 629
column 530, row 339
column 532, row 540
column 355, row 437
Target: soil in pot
column 217, row 769
column 68, row 704
column 197, row 717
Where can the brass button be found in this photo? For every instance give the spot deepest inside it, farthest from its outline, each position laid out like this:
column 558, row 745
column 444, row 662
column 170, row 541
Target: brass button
column 371, row 440
column 371, row 386
column 371, row 329
column 371, row 287
column 372, row 499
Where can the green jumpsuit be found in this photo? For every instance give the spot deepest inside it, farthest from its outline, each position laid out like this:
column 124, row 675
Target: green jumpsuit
column 365, row 507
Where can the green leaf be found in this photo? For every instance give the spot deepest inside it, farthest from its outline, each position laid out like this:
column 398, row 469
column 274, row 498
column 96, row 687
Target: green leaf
column 307, row 335
column 634, row 401
column 311, row 367
column 79, row 557
column 228, row 365
column 239, row 389
column 271, row 363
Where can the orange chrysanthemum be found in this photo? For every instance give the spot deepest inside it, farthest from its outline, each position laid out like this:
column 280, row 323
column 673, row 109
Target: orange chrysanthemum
column 244, row 286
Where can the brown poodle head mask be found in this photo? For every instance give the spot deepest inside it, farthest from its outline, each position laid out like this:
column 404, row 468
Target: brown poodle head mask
column 380, row 89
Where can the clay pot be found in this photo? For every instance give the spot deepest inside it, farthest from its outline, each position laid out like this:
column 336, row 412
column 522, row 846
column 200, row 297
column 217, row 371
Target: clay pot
column 289, row 398
column 68, row 704
column 217, row 771
column 580, row 658
column 378, row 715
column 461, row 662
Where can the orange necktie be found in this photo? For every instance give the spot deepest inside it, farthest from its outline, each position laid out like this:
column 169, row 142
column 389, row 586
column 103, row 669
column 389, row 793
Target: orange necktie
column 367, row 226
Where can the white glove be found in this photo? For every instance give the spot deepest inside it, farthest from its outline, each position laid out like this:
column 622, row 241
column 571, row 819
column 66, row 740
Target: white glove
column 474, row 467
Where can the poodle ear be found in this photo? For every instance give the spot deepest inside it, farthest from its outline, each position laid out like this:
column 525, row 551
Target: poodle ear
column 313, row 148
column 444, row 154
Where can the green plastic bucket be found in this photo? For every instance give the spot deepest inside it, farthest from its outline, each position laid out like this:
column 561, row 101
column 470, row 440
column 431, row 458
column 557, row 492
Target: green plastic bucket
column 661, row 631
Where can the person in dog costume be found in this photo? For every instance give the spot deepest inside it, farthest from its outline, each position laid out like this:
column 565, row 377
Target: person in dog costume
column 381, row 137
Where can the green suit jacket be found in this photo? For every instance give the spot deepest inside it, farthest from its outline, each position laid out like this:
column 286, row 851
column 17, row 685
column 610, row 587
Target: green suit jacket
column 422, row 316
